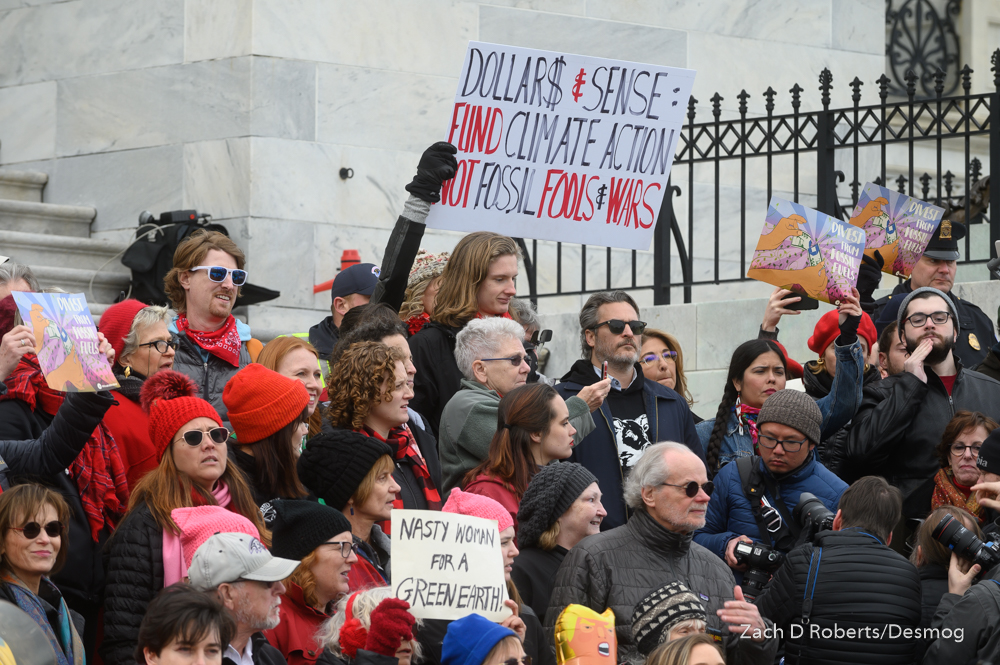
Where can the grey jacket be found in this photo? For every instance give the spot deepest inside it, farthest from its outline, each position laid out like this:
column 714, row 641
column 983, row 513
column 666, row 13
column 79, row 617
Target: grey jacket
column 469, row 421
column 619, row 567
column 213, row 374
column 968, row 626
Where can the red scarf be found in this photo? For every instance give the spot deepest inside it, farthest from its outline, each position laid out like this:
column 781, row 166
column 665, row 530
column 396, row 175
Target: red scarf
column 224, row 343
column 404, row 447
column 98, row 471
column 505, row 315
column 946, row 493
column 415, row 323
column 746, row 416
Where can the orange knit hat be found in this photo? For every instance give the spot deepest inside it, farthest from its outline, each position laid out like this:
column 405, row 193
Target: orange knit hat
column 261, row 402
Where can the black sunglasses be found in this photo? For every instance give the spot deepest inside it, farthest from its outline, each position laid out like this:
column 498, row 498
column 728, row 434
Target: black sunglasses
column 526, row 660
column 617, row 326
column 161, row 345
column 194, row 437
column 513, row 360
column 31, row 530
column 691, row 488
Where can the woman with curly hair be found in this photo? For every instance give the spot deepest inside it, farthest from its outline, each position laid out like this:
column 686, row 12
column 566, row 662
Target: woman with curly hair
column 369, row 394
column 421, row 289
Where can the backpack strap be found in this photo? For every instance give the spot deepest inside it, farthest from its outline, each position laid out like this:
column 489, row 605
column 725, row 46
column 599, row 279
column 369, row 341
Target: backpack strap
column 754, row 487
column 810, row 589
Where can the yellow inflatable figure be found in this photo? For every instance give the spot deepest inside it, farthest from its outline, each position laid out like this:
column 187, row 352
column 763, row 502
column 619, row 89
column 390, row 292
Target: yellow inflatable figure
column 584, row 637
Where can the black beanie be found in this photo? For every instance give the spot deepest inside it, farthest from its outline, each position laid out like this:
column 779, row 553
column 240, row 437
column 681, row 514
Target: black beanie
column 989, row 453
column 334, row 464
column 550, row 494
column 301, row 525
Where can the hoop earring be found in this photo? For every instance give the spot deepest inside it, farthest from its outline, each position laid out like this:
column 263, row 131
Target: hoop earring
column 128, row 371
column 820, row 363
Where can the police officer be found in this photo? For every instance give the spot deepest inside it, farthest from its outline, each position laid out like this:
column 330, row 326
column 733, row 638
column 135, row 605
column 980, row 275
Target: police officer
column 937, row 268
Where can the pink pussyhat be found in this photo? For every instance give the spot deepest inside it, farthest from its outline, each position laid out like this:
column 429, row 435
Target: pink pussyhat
column 475, row 505
column 200, row 523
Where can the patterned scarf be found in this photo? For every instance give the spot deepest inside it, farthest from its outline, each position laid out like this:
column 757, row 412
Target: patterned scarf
column 224, row 343
column 746, row 416
column 67, row 645
column 98, row 471
column 946, row 494
column 415, row 323
column 404, row 447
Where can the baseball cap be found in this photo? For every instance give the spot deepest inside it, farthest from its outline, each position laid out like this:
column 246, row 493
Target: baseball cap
column 359, row 278
column 228, row 557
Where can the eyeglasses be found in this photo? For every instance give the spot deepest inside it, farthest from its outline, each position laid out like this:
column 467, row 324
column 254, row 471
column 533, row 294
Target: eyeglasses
column 513, row 360
column 219, row 274
column 617, row 326
column 771, row 443
column 691, row 488
column 526, row 660
column 346, row 547
column 651, row 358
column 918, row 320
column 161, row 345
column 31, row 530
column 958, row 450
column 195, row 437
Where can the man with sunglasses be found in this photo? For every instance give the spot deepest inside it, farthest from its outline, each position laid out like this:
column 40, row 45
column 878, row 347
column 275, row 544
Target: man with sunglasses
column 203, row 285
column 244, row 576
column 636, row 412
column 754, row 499
column 899, row 424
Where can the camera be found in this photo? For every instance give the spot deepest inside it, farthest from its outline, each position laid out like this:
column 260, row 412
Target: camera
column 950, row 533
column 811, row 514
column 761, row 562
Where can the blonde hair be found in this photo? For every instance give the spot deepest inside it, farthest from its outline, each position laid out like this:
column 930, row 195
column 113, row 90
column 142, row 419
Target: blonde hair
column 382, row 465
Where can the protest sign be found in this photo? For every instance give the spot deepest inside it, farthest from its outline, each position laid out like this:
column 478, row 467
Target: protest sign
column 447, row 566
column 65, row 341
column 557, row 146
column 896, row 225
column 4, row 259
column 810, row 253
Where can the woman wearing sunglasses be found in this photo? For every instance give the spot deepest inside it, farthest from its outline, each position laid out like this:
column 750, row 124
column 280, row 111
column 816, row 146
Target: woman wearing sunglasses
column 33, row 523
column 143, row 346
column 663, row 362
column 145, row 552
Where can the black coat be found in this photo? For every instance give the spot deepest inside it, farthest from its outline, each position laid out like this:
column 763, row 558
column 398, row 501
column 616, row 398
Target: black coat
column 438, row 377
column 990, row 365
column 263, row 652
column 861, row 584
column 134, row 558
column 534, row 573
column 933, row 585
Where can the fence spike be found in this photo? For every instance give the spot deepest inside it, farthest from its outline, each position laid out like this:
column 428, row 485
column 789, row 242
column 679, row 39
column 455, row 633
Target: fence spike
column 717, row 105
column 939, row 82
column 967, row 78
column 901, row 183
column 769, row 96
column 743, row 97
column 825, row 85
column 692, row 102
column 883, row 87
column 796, row 96
column 856, row 86
column 911, row 84
column 995, row 59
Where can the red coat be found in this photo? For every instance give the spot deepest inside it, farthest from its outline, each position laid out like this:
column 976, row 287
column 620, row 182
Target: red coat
column 295, row 636
column 497, row 490
column 129, row 425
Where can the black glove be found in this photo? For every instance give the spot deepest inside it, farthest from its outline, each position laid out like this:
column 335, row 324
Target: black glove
column 849, row 331
column 437, row 164
column 869, row 276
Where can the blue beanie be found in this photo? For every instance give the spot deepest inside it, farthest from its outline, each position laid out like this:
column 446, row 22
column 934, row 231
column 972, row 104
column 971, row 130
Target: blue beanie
column 470, row 639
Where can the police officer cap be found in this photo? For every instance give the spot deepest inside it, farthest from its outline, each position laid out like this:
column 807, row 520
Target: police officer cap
column 944, row 243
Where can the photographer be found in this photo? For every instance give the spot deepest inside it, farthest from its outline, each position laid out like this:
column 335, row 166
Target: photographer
column 753, row 495
column 848, row 598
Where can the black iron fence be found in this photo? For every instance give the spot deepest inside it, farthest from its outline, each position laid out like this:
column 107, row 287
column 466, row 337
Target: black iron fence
column 928, row 148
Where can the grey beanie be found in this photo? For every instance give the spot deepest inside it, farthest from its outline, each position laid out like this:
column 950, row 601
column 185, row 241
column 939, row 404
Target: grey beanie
column 550, row 494
column 794, row 409
column 901, row 313
column 661, row 610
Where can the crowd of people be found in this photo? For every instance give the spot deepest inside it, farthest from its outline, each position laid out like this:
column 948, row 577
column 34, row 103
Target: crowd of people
column 231, row 501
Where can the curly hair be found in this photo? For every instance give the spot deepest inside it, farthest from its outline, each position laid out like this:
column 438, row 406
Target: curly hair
column 355, row 383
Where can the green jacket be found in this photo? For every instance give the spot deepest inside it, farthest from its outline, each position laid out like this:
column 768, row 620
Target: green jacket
column 469, row 421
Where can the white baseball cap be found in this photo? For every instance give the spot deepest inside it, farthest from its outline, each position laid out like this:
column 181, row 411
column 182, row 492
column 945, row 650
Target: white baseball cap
column 228, row 557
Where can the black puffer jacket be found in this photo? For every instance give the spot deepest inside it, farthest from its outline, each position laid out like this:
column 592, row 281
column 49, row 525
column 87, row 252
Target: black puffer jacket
column 933, row 585
column 134, row 559
column 617, row 568
column 438, row 377
column 861, row 585
column 896, row 431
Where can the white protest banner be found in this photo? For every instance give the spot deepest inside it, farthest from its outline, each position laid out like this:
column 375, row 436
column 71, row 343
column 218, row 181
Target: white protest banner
column 447, row 566
column 556, row 146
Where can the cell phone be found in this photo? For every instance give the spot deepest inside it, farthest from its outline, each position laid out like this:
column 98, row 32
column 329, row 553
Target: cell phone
column 805, row 303
column 604, row 370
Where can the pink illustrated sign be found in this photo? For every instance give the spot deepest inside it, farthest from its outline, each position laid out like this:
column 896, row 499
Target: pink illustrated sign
column 896, row 225
column 808, row 252
column 65, row 341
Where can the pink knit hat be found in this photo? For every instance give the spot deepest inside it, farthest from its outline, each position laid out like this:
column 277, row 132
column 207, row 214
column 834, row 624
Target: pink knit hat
column 200, row 523
column 475, row 505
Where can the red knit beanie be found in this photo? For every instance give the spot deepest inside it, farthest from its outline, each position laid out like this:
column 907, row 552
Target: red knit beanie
column 116, row 323
column 828, row 329
column 261, row 401
column 169, row 398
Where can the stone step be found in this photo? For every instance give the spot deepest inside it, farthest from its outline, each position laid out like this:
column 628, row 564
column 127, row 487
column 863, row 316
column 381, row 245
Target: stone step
column 106, row 285
column 22, row 185
column 39, row 249
column 49, row 218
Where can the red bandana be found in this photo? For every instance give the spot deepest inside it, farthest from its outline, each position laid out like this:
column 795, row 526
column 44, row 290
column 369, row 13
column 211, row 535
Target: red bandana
column 404, row 447
column 224, row 343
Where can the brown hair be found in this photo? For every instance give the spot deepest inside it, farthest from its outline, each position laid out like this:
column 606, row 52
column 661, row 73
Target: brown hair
column 456, row 302
column 871, row 504
column 524, row 411
column 275, row 472
column 275, row 351
column 23, row 502
column 355, row 382
column 963, row 420
column 382, row 465
column 678, row 652
column 931, row 552
column 413, row 299
column 190, row 253
column 681, row 386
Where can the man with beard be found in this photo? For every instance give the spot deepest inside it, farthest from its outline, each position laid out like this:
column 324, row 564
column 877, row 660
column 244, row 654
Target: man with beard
column 244, row 576
column 901, row 419
column 636, row 411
